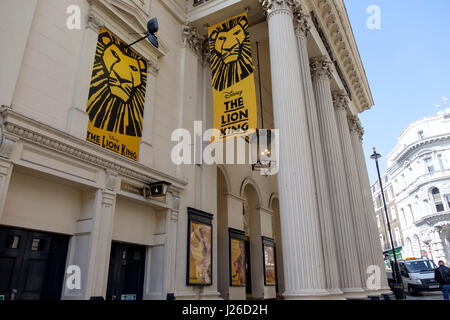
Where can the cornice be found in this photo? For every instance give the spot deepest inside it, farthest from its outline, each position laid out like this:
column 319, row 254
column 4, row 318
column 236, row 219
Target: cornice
column 420, row 143
column 335, row 24
column 20, row 127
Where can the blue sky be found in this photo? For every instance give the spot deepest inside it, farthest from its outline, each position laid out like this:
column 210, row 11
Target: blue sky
column 407, row 63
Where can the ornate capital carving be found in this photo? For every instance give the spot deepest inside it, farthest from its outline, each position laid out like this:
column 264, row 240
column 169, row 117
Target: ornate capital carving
column 153, row 66
column 355, row 126
column 272, row 7
column 301, row 22
column 94, row 22
column 321, row 68
column 191, row 37
column 206, row 52
column 340, row 101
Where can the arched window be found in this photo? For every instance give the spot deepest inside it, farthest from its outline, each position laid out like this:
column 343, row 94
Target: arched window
column 437, row 199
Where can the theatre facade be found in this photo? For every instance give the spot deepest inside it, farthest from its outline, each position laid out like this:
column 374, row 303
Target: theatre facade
column 92, row 203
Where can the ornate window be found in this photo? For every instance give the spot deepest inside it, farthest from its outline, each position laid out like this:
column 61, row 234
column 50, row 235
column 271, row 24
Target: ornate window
column 430, row 165
column 437, row 199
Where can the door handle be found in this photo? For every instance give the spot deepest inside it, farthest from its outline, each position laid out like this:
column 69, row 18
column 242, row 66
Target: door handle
column 13, row 294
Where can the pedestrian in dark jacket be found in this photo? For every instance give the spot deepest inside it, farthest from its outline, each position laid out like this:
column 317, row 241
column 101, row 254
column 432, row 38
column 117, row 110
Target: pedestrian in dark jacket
column 442, row 275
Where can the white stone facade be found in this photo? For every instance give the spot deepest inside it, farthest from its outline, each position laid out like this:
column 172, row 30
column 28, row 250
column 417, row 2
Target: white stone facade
column 419, row 169
column 317, row 209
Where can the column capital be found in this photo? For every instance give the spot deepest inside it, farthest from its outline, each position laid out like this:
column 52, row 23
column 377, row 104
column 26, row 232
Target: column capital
column 94, row 21
column 355, row 126
column 301, row 22
column 191, row 38
column 272, row 7
column 340, row 101
column 206, row 52
column 321, row 68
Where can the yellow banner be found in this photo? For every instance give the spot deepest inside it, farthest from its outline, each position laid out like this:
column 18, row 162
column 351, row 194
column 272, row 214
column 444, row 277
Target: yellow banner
column 116, row 97
column 232, row 77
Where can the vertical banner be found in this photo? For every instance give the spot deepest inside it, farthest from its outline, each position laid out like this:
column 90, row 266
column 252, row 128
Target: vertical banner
column 232, row 77
column 116, row 97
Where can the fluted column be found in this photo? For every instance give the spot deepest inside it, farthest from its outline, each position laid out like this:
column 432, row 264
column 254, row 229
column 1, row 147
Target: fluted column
column 354, row 188
column 302, row 247
column 375, row 246
column 325, row 214
column 350, row 277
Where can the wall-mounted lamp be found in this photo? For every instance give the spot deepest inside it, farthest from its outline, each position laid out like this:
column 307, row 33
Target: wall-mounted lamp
column 156, row 189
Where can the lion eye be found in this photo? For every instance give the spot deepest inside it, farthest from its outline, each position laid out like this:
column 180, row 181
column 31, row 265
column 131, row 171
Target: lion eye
column 133, row 68
column 237, row 32
column 222, row 38
column 114, row 54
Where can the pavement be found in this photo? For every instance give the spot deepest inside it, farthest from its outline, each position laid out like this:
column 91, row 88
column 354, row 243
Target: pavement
column 436, row 295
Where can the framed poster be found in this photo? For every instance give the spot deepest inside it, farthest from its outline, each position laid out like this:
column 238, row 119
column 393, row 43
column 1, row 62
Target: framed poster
column 269, row 262
column 199, row 248
column 237, row 258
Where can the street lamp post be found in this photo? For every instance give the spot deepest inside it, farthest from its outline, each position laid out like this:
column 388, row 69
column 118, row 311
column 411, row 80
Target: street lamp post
column 396, row 272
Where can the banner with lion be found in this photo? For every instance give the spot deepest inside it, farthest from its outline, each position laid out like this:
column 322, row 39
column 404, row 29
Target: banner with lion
column 235, row 110
column 116, row 97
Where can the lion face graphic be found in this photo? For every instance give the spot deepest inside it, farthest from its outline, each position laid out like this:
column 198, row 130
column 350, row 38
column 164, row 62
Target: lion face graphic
column 117, row 92
column 124, row 72
column 230, row 53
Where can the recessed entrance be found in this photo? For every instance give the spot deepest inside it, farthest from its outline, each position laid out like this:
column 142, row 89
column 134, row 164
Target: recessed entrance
column 126, row 272
column 32, row 264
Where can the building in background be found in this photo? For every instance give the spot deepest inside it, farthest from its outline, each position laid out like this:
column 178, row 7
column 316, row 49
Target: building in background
column 87, row 125
column 380, row 217
column 419, row 175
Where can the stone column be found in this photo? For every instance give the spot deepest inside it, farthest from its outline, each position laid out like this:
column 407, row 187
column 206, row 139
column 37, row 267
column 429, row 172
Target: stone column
column 375, row 246
column 90, row 247
column 302, row 27
column 337, row 183
column 354, row 188
column 302, row 246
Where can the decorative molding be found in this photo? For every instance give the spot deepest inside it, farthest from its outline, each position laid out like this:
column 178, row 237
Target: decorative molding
column 340, row 101
column 302, row 25
column 153, row 67
column 82, row 152
column 337, row 29
column 272, row 7
column 206, row 52
column 355, row 126
column 191, row 38
column 94, row 21
column 111, row 180
column 321, row 68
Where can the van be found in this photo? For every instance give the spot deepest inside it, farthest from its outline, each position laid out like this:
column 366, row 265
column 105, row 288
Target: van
column 418, row 275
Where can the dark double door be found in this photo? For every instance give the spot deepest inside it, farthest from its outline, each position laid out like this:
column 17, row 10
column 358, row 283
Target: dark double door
column 126, row 272
column 32, row 264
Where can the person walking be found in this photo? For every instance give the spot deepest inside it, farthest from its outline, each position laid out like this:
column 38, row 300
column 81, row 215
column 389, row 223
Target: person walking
column 442, row 275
